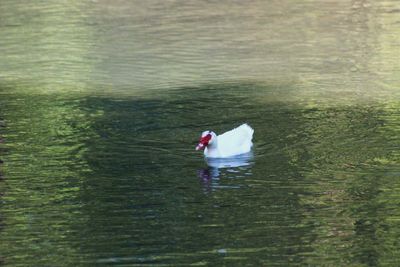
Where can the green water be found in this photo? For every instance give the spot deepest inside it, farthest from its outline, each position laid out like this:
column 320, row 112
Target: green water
column 102, row 102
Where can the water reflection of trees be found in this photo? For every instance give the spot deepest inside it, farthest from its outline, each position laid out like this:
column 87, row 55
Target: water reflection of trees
column 153, row 138
column 2, row 125
column 39, row 208
column 351, row 155
column 120, row 173
column 313, row 165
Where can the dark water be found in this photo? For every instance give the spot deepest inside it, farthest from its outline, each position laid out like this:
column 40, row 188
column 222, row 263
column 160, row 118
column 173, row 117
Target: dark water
column 101, row 105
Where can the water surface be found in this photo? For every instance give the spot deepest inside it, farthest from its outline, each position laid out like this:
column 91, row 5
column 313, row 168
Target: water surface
column 102, row 102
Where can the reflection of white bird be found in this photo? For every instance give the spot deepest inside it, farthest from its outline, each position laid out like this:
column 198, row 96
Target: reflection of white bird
column 231, row 162
column 232, row 143
column 237, row 167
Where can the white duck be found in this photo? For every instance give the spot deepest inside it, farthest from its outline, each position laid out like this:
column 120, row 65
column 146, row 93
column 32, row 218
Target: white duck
column 232, row 143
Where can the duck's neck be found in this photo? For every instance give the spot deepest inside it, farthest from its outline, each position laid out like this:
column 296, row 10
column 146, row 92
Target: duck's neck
column 212, row 149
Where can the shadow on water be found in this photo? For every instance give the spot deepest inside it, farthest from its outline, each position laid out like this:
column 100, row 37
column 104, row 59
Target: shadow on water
column 119, row 178
column 280, row 206
column 143, row 173
column 2, row 125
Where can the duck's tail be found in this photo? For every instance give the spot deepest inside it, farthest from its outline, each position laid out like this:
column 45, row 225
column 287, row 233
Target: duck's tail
column 247, row 128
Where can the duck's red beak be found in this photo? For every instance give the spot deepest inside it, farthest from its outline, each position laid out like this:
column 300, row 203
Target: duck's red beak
column 203, row 142
column 200, row 146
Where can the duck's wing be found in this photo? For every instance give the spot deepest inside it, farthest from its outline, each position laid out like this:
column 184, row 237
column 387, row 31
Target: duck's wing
column 237, row 140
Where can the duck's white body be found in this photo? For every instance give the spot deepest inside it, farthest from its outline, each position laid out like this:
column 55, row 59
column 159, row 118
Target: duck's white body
column 232, row 143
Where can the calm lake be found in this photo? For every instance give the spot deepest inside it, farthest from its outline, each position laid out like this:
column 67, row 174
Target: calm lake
column 102, row 104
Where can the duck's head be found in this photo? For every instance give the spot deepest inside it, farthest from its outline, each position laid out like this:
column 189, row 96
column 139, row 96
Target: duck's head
column 207, row 137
